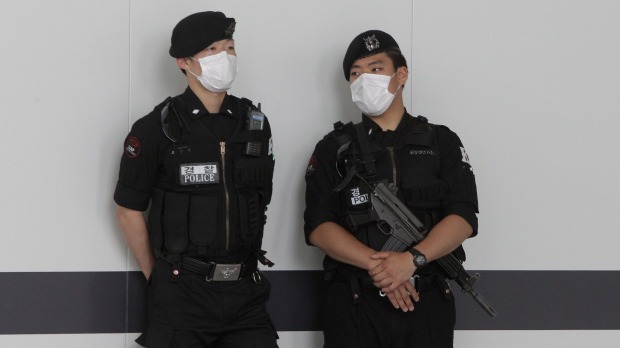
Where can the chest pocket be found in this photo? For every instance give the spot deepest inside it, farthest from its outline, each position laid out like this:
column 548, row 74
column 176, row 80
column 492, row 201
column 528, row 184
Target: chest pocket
column 419, row 172
column 424, row 198
column 254, row 172
column 424, row 194
column 421, row 188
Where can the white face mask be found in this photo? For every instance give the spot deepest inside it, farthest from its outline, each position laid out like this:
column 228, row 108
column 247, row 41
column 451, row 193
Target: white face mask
column 218, row 71
column 371, row 95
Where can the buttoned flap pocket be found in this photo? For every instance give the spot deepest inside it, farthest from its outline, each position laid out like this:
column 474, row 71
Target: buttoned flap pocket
column 254, row 172
column 423, row 191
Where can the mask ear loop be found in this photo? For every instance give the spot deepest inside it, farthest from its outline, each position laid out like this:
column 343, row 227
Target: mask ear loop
column 397, row 89
column 399, row 85
column 191, row 72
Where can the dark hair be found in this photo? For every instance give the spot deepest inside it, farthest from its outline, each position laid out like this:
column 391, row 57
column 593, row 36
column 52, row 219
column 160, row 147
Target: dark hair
column 398, row 60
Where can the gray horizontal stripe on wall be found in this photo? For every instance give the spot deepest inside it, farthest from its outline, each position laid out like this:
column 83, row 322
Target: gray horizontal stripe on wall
column 114, row 302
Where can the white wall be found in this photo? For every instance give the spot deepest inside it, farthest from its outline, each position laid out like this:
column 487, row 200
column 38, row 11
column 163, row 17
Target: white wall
column 530, row 86
column 64, row 70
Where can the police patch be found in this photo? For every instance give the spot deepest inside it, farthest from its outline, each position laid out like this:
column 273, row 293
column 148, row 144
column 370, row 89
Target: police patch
column 199, row 173
column 357, row 197
column 132, row 147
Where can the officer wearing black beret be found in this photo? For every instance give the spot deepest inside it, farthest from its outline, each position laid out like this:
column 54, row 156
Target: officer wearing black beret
column 380, row 298
column 202, row 163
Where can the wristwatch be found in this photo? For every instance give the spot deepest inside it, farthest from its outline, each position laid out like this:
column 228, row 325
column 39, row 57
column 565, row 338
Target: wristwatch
column 419, row 259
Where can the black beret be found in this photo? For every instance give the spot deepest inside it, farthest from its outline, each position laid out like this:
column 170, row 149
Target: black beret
column 366, row 44
column 197, row 31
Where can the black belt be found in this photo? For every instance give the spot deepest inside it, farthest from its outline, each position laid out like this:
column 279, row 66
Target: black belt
column 220, row 271
column 422, row 283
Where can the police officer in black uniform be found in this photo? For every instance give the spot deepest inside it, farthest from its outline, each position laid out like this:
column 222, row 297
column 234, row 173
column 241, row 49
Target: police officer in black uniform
column 203, row 162
column 374, row 298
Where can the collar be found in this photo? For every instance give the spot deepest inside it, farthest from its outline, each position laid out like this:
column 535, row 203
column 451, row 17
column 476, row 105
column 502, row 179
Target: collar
column 195, row 109
column 374, row 129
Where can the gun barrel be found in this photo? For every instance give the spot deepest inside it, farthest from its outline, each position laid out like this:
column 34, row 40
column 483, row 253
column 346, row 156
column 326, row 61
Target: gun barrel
column 484, row 304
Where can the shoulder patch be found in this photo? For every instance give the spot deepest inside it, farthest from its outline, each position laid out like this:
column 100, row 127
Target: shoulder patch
column 311, row 166
column 132, row 147
column 465, row 156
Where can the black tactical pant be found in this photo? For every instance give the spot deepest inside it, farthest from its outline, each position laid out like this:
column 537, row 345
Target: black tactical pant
column 370, row 321
column 185, row 311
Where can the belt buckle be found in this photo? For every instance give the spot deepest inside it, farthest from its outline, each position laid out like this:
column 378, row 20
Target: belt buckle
column 226, row 272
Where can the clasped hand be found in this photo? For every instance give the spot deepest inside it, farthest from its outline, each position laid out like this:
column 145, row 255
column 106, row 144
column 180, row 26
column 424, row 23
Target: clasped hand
column 392, row 276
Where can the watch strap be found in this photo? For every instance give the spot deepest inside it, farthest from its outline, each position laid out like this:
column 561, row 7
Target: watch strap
column 415, row 252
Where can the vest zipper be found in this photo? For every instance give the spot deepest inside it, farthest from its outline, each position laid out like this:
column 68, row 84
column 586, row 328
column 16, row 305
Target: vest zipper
column 393, row 159
column 223, row 153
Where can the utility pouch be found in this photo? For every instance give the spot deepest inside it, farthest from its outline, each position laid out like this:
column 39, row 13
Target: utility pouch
column 425, row 193
column 203, row 215
column 255, row 172
column 250, row 215
column 175, row 221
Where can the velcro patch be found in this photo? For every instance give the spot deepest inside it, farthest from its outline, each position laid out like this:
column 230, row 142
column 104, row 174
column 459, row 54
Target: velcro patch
column 357, row 197
column 199, row 173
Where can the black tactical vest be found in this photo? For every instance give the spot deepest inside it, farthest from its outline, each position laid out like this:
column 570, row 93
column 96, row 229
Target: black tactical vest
column 212, row 197
column 417, row 177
